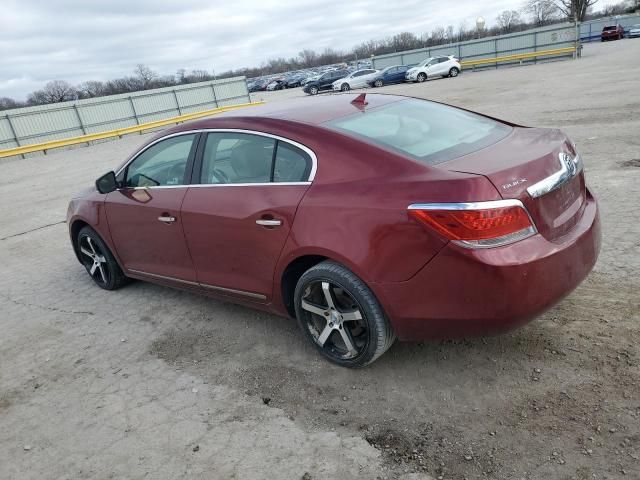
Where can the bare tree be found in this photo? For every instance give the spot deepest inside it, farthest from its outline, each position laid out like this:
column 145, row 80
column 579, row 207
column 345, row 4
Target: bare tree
column 507, row 20
column 7, row 103
column 540, row 11
column 145, row 76
column 91, row 89
column 53, row 92
column 574, row 9
column 308, row 57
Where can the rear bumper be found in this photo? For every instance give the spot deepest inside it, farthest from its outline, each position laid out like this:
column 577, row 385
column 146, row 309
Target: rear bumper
column 465, row 292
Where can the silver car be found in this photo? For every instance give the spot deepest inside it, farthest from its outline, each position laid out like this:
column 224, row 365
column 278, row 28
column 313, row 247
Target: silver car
column 357, row 79
column 634, row 30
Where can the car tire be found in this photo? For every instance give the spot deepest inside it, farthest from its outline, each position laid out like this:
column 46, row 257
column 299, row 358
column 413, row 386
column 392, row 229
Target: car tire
column 353, row 313
column 98, row 260
column 345, row 87
column 378, row 83
column 422, row 77
column 454, row 71
column 313, row 90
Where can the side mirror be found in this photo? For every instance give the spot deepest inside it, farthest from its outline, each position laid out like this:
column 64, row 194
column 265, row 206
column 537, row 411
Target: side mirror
column 107, row 183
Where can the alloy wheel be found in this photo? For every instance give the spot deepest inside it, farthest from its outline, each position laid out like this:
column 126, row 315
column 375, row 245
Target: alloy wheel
column 335, row 320
column 422, row 77
column 94, row 260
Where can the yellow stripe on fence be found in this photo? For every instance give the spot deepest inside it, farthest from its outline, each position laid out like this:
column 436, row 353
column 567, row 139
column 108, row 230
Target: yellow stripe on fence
column 517, row 56
column 37, row 147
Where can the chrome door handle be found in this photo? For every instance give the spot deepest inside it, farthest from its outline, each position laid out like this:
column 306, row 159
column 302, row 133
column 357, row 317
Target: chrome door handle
column 166, row 219
column 269, row 223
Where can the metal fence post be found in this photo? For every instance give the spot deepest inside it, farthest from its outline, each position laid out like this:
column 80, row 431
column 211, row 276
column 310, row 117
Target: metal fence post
column 133, row 109
column 175, row 96
column 75, row 109
column 13, row 131
column 213, row 89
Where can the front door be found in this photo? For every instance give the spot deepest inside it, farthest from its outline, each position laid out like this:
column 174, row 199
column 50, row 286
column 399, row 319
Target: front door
column 144, row 215
column 238, row 218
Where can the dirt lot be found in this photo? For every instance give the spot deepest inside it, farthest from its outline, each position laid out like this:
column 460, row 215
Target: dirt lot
column 148, row 382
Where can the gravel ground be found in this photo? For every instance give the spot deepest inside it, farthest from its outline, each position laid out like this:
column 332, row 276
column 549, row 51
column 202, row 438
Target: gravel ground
column 148, row 382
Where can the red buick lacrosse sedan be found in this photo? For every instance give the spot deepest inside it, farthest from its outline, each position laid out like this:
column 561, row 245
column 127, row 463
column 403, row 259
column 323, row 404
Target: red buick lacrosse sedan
column 365, row 218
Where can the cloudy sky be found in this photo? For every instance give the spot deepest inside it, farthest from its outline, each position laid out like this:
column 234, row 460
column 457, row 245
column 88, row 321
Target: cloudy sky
column 77, row 40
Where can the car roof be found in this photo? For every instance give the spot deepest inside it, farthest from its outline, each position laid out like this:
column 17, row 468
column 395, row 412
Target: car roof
column 310, row 110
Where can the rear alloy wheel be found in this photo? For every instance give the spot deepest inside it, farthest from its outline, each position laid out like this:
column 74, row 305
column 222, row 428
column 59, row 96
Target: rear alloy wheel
column 378, row 83
column 345, row 87
column 313, row 90
column 341, row 316
column 454, row 72
column 98, row 260
column 422, row 77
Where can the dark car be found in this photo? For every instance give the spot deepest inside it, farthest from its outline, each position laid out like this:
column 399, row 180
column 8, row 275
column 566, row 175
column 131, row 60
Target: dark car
column 295, row 81
column 389, row 75
column 325, row 82
column 258, row 85
column 612, row 32
column 366, row 219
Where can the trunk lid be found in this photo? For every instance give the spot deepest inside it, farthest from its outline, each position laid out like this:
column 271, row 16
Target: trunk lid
column 522, row 159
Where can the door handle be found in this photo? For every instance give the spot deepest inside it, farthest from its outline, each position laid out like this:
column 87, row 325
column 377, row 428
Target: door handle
column 166, row 219
column 269, row 222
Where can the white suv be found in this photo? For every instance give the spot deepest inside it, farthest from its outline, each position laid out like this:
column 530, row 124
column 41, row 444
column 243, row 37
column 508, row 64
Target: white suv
column 434, row 67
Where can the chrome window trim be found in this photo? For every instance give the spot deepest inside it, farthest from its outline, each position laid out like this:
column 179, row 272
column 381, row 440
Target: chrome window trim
column 569, row 168
column 307, row 150
column 258, row 296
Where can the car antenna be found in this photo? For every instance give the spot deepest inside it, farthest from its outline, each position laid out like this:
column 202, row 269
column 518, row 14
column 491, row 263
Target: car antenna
column 360, row 100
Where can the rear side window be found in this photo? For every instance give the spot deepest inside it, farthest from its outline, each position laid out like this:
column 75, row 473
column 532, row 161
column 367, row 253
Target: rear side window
column 428, row 132
column 236, row 158
column 292, row 164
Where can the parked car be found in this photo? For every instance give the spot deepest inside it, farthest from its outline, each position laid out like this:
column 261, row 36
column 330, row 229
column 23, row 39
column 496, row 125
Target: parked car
column 324, row 82
column 357, row 79
column 634, row 31
column 278, row 84
column 389, row 75
column 434, row 67
column 310, row 79
column 612, row 32
column 296, row 81
column 398, row 218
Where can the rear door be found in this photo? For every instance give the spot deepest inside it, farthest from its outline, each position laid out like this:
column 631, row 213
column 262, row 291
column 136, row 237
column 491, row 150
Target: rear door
column 237, row 218
column 144, row 215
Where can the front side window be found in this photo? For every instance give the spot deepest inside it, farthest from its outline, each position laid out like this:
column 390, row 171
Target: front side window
column 428, row 132
column 162, row 164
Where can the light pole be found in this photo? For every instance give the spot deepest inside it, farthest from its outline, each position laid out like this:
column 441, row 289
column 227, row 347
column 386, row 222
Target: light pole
column 480, row 23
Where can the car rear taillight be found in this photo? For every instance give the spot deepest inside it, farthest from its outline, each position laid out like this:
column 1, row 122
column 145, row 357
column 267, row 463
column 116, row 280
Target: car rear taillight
column 478, row 224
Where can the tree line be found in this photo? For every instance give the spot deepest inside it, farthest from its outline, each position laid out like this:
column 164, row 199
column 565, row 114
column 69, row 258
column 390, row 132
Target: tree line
column 533, row 13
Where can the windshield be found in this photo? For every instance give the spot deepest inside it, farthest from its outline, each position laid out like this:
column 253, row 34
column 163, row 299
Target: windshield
column 425, row 62
column 428, row 132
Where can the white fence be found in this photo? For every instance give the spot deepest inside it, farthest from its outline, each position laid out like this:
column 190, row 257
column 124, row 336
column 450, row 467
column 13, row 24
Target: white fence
column 30, row 125
column 535, row 40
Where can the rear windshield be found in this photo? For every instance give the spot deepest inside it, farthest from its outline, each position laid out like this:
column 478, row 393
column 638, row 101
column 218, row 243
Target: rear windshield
column 428, row 132
column 610, row 28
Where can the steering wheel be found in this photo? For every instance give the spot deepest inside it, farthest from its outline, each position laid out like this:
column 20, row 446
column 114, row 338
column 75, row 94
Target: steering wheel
column 219, row 175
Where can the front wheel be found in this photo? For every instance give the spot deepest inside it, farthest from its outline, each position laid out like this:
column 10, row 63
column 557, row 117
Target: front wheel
column 345, row 87
column 341, row 316
column 313, row 90
column 422, row 77
column 98, row 260
column 378, row 83
column 454, row 72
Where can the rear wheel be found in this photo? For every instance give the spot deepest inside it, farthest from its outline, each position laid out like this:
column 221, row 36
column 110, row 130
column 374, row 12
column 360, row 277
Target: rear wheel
column 345, row 87
column 98, row 260
column 378, row 83
column 453, row 72
column 422, row 77
column 340, row 315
